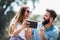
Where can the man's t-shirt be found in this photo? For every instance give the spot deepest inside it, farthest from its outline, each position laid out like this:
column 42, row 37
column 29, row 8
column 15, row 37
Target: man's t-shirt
column 50, row 34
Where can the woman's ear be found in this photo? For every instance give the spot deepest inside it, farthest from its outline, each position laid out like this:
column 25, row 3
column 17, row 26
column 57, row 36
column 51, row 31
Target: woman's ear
column 51, row 19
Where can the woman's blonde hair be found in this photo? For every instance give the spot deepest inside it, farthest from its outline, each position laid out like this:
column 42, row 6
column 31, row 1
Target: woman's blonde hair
column 17, row 18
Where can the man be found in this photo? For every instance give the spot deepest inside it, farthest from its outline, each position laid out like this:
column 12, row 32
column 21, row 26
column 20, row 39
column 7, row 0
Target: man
column 46, row 30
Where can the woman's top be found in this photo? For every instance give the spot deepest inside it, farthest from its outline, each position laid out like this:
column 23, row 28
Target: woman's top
column 19, row 25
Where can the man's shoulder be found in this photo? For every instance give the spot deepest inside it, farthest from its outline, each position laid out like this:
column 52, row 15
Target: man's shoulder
column 55, row 28
column 54, row 32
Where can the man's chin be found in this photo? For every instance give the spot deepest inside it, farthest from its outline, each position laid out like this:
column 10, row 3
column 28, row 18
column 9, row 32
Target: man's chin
column 43, row 23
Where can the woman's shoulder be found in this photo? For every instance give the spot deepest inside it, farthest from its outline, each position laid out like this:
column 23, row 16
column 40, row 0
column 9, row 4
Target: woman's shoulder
column 12, row 21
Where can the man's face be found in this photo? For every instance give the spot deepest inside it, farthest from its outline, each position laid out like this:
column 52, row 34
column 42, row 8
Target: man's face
column 46, row 18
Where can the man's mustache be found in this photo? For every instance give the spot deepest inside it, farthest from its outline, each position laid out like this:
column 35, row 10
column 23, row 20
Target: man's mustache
column 45, row 21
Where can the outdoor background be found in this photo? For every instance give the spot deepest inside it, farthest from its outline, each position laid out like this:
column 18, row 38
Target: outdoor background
column 8, row 9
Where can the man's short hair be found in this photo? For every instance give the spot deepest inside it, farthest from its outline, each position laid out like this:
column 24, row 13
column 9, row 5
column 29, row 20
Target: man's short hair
column 52, row 13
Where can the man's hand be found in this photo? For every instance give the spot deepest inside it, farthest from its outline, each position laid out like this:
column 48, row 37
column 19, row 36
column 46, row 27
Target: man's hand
column 42, row 34
column 28, row 34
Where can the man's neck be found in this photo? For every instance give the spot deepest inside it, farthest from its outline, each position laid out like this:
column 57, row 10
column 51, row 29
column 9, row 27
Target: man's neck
column 47, row 26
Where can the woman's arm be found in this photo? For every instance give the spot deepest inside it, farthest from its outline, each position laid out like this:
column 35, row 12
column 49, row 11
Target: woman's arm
column 28, row 33
column 13, row 25
column 16, row 32
column 12, row 28
column 42, row 34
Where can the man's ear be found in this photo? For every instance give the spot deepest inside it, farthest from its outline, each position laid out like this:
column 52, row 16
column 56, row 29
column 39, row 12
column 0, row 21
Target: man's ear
column 51, row 19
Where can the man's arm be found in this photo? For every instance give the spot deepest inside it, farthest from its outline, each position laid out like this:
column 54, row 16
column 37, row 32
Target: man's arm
column 43, row 37
column 42, row 34
column 28, row 34
column 54, row 36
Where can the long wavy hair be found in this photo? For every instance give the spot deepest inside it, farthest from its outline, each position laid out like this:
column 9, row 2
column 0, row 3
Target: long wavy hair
column 18, row 18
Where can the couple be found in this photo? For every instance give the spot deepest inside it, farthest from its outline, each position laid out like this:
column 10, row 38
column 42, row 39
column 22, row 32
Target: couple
column 45, row 31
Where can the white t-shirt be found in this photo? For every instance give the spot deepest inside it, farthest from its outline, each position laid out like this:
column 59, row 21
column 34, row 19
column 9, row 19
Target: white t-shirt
column 19, row 25
column 22, row 33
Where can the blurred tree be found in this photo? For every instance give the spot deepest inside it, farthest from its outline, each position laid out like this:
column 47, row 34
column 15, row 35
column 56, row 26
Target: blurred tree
column 58, row 17
column 24, row 1
column 4, row 4
column 33, row 1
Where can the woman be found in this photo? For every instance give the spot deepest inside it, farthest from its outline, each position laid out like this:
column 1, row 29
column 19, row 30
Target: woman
column 19, row 24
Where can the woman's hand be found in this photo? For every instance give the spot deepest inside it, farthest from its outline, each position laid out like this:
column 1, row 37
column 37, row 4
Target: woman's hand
column 25, row 24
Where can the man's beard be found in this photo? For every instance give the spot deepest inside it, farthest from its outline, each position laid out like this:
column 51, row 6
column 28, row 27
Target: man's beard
column 45, row 22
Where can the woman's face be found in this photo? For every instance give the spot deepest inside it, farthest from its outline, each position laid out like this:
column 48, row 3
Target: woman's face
column 27, row 12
